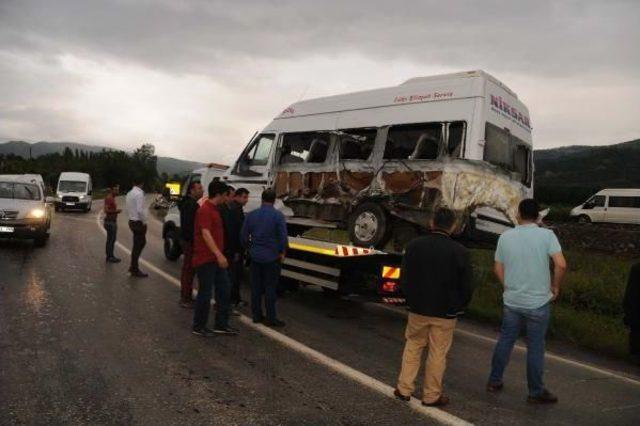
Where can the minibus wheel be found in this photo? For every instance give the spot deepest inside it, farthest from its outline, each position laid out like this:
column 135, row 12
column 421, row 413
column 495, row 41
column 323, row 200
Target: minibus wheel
column 369, row 225
column 583, row 218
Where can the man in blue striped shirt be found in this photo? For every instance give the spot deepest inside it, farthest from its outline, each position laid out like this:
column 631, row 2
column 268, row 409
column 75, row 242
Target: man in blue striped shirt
column 264, row 234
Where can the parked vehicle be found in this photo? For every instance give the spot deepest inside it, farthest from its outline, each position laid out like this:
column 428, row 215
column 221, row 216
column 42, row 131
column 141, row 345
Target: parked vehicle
column 380, row 160
column 74, row 191
column 171, row 222
column 24, row 212
column 611, row 206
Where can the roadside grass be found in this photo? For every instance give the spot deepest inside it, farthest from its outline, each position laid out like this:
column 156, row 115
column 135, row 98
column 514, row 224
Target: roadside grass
column 588, row 312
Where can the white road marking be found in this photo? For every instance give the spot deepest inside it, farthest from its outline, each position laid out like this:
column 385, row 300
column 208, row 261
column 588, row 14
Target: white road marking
column 523, row 348
column 340, row 368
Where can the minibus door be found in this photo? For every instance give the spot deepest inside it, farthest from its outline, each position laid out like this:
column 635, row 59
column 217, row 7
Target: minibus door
column 252, row 170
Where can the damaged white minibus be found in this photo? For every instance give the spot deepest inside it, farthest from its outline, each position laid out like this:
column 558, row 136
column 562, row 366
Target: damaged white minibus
column 381, row 160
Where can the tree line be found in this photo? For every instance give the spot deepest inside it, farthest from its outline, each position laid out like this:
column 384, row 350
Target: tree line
column 107, row 167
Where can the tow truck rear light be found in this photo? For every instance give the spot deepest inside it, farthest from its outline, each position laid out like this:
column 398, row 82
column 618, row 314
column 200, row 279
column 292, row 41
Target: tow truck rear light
column 389, row 286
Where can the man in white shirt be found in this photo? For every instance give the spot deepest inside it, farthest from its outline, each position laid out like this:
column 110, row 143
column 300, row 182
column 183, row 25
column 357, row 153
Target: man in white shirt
column 137, row 224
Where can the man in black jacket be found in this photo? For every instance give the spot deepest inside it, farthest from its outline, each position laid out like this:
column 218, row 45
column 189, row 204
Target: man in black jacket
column 436, row 280
column 188, row 208
column 233, row 218
column 632, row 312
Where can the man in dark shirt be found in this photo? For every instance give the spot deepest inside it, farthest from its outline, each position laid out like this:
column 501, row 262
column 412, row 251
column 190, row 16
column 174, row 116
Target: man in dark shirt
column 110, row 223
column 211, row 265
column 264, row 233
column 632, row 312
column 436, row 280
column 233, row 217
column 188, row 208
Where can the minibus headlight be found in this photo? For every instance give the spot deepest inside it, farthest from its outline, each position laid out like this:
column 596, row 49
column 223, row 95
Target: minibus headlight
column 36, row 214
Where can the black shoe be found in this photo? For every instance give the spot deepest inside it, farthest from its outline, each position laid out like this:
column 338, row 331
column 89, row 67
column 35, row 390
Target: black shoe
column 274, row 323
column 113, row 260
column 139, row 274
column 494, row 387
column 202, row 332
column 227, row 331
column 545, row 397
column 400, row 396
column 186, row 304
column 258, row 320
column 440, row 402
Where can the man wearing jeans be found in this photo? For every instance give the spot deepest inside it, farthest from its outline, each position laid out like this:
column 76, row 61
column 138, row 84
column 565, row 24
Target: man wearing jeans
column 211, row 265
column 265, row 234
column 110, row 223
column 522, row 266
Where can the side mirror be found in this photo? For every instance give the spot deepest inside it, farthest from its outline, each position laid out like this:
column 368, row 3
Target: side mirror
column 90, row 192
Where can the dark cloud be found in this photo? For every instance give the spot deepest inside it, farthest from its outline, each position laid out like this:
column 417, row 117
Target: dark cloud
column 218, row 70
column 543, row 37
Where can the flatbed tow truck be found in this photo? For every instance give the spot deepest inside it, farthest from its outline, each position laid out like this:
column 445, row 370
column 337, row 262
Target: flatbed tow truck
column 343, row 269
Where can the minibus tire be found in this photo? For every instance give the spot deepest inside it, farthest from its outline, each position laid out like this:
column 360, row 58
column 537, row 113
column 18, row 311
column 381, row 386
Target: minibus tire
column 583, row 218
column 376, row 213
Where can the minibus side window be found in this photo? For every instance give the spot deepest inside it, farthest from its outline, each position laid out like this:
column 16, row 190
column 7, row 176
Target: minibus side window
column 455, row 141
column 357, row 144
column 624, row 202
column 305, row 147
column 414, row 142
column 595, row 201
column 256, row 155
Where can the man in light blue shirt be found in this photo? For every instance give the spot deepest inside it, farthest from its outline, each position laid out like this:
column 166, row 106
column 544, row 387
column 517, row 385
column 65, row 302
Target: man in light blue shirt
column 522, row 264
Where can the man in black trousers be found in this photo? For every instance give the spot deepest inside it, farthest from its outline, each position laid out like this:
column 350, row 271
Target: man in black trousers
column 632, row 312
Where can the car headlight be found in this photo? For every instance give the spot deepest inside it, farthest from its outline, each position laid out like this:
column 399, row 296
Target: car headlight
column 36, row 214
column 82, row 197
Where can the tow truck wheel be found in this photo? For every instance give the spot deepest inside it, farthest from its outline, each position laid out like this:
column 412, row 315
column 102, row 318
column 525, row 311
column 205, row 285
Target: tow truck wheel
column 172, row 249
column 369, row 225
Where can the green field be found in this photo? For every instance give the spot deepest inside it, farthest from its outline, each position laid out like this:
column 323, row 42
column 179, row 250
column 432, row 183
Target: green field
column 588, row 312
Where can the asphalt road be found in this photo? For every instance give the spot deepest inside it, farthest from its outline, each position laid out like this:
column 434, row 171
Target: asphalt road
column 81, row 342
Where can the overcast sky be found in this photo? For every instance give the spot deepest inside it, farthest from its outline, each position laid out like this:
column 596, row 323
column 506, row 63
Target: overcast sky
column 197, row 78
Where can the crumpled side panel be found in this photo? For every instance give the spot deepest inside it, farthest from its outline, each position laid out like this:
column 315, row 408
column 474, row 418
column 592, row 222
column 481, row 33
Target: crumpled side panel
column 468, row 190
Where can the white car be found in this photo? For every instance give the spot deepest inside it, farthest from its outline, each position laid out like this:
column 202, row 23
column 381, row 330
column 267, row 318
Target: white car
column 610, row 206
column 24, row 212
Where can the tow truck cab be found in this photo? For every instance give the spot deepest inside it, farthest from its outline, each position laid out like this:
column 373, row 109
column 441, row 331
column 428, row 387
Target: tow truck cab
column 171, row 222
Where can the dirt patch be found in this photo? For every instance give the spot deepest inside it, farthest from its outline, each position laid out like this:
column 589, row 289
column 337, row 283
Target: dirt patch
column 606, row 238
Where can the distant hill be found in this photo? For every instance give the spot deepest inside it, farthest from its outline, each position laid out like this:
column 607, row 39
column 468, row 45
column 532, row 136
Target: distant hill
column 570, row 174
column 166, row 165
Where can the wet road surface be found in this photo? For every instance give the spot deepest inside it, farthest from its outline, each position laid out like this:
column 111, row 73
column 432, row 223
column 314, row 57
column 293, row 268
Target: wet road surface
column 81, row 342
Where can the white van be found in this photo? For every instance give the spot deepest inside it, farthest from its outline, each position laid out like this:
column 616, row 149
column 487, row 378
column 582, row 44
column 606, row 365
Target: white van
column 376, row 160
column 74, row 191
column 611, row 206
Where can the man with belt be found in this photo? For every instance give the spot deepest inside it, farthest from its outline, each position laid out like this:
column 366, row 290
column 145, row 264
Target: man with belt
column 437, row 282
column 110, row 223
column 137, row 224
column 264, row 233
